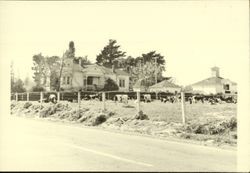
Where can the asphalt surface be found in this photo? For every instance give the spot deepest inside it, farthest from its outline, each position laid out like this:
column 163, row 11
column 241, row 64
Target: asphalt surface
column 35, row 145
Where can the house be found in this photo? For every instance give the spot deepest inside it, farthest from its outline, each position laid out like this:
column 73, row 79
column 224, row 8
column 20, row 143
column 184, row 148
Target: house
column 214, row 84
column 165, row 86
column 76, row 76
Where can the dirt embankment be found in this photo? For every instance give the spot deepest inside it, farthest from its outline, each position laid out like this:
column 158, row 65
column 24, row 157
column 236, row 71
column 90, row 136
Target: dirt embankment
column 209, row 131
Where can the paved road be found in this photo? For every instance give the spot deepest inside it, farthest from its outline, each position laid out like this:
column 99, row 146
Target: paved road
column 27, row 144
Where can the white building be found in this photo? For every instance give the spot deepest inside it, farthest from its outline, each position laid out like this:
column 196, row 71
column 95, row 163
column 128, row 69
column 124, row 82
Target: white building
column 165, row 86
column 91, row 77
column 214, row 84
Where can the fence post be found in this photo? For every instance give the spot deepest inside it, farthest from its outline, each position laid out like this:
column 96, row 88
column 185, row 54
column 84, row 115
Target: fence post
column 183, row 107
column 58, row 96
column 79, row 101
column 28, row 96
column 16, row 96
column 103, row 101
column 138, row 101
column 41, row 98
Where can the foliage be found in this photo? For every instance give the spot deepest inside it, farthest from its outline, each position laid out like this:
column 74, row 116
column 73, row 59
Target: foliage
column 27, row 105
column 110, row 85
column 84, row 60
column 109, row 53
column 37, row 88
column 39, row 68
column 143, row 68
column 212, row 127
column 99, row 119
column 46, row 67
column 17, row 86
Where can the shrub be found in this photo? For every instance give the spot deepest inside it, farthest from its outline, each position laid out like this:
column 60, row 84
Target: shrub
column 99, row 119
column 141, row 116
column 110, row 85
column 27, row 105
column 233, row 123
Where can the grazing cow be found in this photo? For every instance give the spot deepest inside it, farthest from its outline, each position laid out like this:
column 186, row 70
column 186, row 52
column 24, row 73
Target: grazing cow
column 52, row 98
column 147, row 98
column 91, row 97
column 121, row 98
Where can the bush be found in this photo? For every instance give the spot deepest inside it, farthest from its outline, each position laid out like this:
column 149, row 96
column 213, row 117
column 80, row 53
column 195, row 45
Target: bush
column 212, row 127
column 99, row 119
column 27, row 105
column 141, row 116
column 110, row 85
column 233, row 123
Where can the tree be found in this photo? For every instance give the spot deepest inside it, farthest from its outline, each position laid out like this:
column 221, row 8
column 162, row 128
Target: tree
column 38, row 67
column 46, row 68
column 37, row 88
column 146, row 68
column 18, row 86
column 84, row 60
column 70, row 53
column 110, row 85
column 12, row 76
column 109, row 54
column 53, row 63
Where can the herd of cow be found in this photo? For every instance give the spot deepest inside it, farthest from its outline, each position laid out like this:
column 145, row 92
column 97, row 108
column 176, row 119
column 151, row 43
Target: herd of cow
column 123, row 98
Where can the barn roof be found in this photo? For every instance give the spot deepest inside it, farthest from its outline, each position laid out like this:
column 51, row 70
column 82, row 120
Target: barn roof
column 213, row 81
column 165, row 84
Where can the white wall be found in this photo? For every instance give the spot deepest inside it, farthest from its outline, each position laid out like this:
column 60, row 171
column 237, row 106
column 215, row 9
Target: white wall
column 165, row 89
column 205, row 89
column 77, row 80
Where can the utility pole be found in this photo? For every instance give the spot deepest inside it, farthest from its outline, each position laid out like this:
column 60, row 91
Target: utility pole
column 60, row 75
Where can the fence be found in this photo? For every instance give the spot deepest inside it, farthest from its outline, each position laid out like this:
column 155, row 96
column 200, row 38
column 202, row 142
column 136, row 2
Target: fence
column 76, row 97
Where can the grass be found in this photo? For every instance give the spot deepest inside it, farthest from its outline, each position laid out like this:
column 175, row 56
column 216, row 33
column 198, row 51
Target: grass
column 204, row 122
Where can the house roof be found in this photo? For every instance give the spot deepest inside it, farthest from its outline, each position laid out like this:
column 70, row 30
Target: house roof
column 213, row 81
column 104, row 70
column 165, row 84
column 210, row 81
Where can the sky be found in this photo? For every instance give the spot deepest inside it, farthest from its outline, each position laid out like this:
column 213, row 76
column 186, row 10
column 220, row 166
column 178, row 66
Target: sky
column 193, row 36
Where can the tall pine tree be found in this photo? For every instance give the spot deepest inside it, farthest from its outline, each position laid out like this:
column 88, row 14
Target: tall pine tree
column 109, row 53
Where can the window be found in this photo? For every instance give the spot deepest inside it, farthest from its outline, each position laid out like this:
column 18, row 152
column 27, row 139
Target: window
column 90, row 80
column 64, row 80
column 122, row 83
column 226, row 86
column 68, row 80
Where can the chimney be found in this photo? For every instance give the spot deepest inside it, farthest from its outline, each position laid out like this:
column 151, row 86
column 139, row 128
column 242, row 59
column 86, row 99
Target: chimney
column 215, row 72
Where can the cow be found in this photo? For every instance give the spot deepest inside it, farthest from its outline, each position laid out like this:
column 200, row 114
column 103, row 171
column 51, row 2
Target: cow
column 147, row 98
column 52, row 98
column 121, row 98
column 91, row 97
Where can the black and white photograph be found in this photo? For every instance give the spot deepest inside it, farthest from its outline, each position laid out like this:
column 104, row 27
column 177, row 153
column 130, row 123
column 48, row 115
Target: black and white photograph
column 110, row 86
